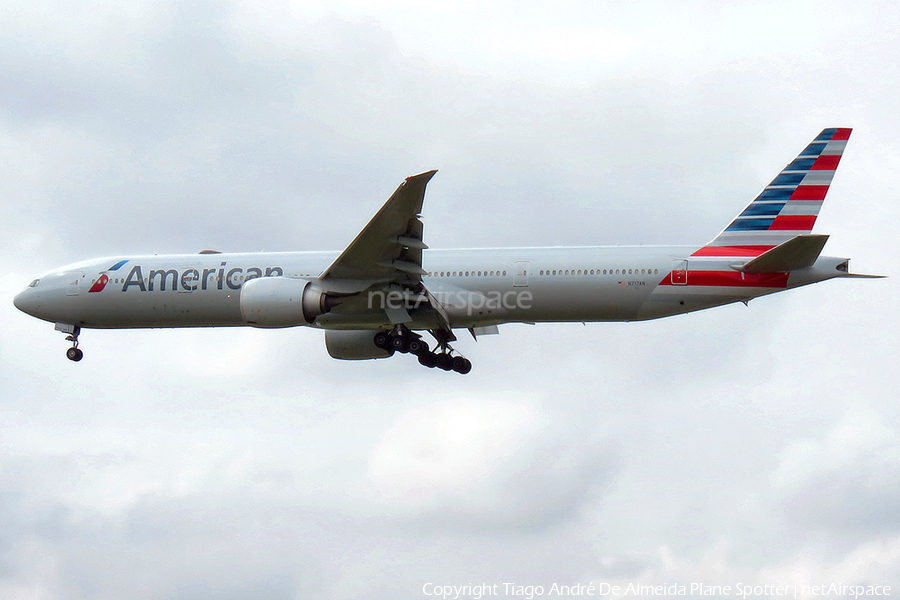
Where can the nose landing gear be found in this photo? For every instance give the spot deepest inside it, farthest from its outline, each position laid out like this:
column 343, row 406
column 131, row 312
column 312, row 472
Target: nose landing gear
column 74, row 353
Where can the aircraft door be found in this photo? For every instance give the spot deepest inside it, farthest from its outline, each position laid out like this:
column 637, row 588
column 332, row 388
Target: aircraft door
column 521, row 276
column 74, row 283
column 679, row 272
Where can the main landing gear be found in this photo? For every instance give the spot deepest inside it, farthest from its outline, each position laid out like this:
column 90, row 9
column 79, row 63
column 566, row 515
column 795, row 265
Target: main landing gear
column 402, row 340
column 74, row 353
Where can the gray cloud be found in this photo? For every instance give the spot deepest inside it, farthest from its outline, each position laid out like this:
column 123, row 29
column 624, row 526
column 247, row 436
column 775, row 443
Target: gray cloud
column 848, row 479
column 487, row 465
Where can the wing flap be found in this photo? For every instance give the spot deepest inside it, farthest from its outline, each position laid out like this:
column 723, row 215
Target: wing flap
column 406, row 267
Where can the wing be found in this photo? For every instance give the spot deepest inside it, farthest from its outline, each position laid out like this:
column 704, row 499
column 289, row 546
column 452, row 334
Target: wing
column 389, row 248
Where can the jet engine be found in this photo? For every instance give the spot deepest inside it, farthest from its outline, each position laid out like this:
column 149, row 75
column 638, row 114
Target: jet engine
column 353, row 344
column 283, row 302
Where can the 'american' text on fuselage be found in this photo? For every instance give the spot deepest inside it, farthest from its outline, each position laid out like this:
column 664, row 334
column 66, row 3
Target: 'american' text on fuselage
column 190, row 278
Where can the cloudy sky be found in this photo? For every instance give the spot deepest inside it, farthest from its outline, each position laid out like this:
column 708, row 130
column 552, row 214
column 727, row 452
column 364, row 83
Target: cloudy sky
column 739, row 445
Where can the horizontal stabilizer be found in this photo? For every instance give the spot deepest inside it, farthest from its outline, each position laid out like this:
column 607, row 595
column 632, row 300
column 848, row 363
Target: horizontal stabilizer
column 798, row 252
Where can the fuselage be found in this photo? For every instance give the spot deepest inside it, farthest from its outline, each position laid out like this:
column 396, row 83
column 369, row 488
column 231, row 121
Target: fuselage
column 478, row 287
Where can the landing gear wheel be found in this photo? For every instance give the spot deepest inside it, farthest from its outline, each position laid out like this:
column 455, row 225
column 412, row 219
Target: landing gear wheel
column 74, row 354
column 417, row 347
column 461, row 365
column 444, row 361
column 382, row 340
column 399, row 343
column 428, row 359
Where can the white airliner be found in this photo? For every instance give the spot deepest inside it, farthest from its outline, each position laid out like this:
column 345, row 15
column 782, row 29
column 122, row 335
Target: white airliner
column 373, row 298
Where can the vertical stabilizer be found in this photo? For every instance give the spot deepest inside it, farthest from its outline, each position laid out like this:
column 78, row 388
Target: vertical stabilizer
column 789, row 205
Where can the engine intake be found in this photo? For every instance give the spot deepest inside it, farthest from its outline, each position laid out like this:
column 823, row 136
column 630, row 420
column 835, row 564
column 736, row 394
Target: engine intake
column 283, row 302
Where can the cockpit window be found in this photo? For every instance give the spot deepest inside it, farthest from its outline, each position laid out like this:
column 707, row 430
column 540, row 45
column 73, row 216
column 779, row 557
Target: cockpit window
column 34, row 283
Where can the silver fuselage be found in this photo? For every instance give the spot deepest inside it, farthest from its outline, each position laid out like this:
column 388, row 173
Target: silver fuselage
column 478, row 287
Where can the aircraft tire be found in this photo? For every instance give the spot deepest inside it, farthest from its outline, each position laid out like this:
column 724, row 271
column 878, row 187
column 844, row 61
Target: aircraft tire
column 443, row 361
column 400, row 344
column 74, row 354
column 428, row 359
column 417, row 347
column 460, row 364
column 464, row 368
column 382, row 340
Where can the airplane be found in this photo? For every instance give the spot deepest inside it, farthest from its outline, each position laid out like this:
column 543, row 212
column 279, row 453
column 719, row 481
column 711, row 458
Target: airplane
column 378, row 296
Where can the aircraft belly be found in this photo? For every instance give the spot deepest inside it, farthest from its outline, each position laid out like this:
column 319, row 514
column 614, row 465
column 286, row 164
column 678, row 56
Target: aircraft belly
column 163, row 309
column 668, row 300
column 583, row 301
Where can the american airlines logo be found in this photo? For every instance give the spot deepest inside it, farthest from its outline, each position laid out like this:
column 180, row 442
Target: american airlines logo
column 100, row 284
column 189, row 279
column 104, row 278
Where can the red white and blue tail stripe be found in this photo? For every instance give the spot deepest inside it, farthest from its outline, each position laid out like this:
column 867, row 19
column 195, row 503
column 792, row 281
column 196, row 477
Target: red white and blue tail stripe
column 789, row 205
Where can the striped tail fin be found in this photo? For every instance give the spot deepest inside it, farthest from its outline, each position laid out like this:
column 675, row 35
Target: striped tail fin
column 788, row 206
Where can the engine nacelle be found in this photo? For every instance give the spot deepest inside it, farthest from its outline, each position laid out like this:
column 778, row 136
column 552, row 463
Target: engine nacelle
column 283, row 302
column 353, row 344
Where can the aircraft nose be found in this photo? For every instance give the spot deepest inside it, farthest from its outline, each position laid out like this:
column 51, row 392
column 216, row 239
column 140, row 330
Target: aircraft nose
column 25, row 301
